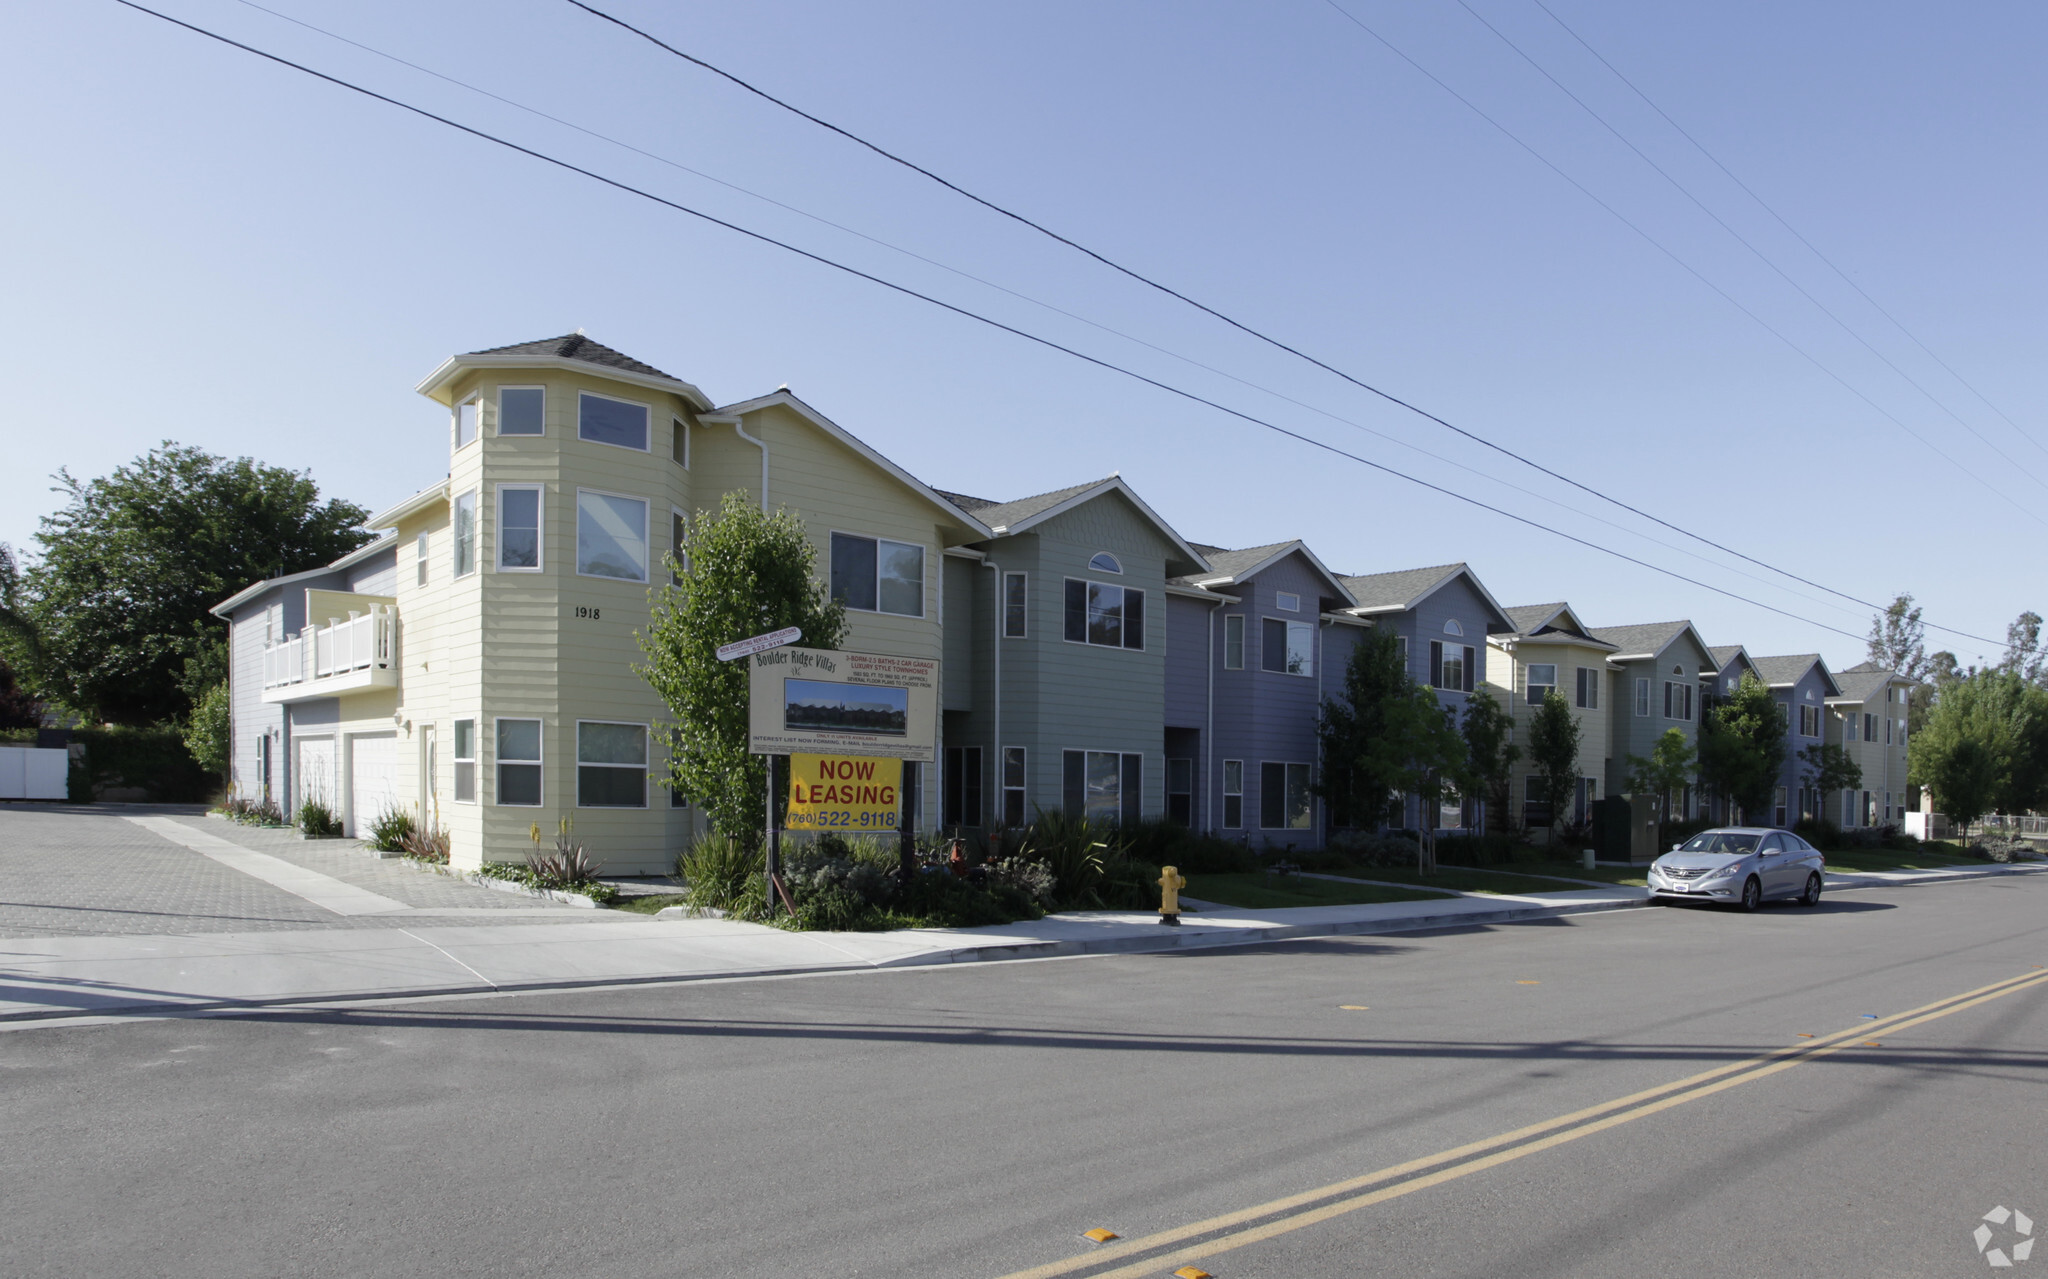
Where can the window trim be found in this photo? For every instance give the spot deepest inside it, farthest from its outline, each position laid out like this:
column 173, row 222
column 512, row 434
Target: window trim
column 1130, row 807
column 455, row 544
column 678, row 543
column 474, row 400
column 646, row 539
column 1286, row 767
column 1229, row 794
column 1642, row 697
column 1281, row 601
column 421, row 549
column 1123, row 615
column 1022, row 582
column 924, row 571
column 457, row 760
column 1286, row 639
column 539, row 763
column 1022, row 787
column 648, row 408
column 1586, row 695
column 1238, row 618
column 645, row 767
column 498, row 411
column 540, row 525
column 675, row 421
column 1530, row 684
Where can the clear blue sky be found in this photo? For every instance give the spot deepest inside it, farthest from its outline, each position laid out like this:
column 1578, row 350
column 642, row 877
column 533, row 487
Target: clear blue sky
column 210, row 249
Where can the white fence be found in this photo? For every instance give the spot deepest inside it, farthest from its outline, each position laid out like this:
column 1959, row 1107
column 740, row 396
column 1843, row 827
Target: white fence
column 31, row 772
column 365, row 641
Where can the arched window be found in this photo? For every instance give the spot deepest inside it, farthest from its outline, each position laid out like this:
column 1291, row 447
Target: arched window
column 1104, row 562
column 1453, row 628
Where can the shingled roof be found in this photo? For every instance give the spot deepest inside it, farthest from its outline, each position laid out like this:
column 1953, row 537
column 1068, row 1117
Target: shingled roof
column 1786, row 668
column 1399, row 589
column 1000, row 515
column 1860, row 682
column 1649, row 637
column 575, row 346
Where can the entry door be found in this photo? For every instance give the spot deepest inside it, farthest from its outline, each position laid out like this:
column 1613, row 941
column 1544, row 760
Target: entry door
column 373, row 780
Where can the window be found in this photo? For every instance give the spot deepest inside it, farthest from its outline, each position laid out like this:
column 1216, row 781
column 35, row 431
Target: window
column 1016, row 596
column 465, row 421
column 1870, row 728
column 1642, row 697
column 1542, row 681
column 678, row 545
column 519, row 762
column 1888, row 731
column 1453, row 627
column 419, row 555
column 1233, row 641
column 465, row 534
column 1778, row 807
column 522, row 410
column 679, row 442
column 1535, row 810
column 603, row 420
column 1180, row 791
column 963, row 786
column 1233, row 794
column 1401, row 643
column 1284, row 802
column 465, row 761
column 519, row 527
column 611, row 536
column 1287, row 648
column 875, row 575
column 1870, row 808
column 1809, row 721
column 1104, row 614
column 1287, row 601
column 1103, row 786
column 1450, row 666
column 611, row 765
column 1589, row 688
column 1013, row 785
column 1104, row 562
column 1677, row 699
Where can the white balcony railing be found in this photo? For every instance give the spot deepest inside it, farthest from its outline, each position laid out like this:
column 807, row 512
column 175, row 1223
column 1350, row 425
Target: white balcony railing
column 361, row 642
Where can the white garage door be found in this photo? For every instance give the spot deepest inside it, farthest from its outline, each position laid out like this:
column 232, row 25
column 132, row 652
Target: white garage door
column 373, row 780
column 316, row 778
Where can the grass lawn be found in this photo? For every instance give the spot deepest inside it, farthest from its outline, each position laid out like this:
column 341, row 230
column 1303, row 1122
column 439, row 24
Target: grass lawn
column 1620, row 876
column 1268, row 892
column 1525, row 878
column 650, row 904
column 1934, row 857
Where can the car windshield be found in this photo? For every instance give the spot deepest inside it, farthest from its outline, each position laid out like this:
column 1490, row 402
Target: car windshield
column 1733, row 843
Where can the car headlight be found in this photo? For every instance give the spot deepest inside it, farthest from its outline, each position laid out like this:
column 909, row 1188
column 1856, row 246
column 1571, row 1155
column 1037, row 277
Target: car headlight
column 1727, row 871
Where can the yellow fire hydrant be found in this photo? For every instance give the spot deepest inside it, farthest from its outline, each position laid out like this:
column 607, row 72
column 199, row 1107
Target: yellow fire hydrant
column 1171, row 881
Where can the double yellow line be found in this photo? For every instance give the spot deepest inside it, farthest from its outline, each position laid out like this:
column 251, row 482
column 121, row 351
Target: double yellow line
column 1309, row 1207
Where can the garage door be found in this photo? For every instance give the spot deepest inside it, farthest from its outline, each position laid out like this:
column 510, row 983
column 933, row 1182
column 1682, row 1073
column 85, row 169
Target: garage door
column 373, row 780
column 315, row 777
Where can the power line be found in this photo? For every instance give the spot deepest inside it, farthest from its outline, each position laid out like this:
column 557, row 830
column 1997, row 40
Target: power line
column 1038, row 302
column 1744, row 241
column 1277, row 343
column 963, row 312
column 1765, row 205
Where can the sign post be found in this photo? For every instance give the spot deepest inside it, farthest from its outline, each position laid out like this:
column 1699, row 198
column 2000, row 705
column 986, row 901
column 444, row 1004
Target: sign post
column 733, row 652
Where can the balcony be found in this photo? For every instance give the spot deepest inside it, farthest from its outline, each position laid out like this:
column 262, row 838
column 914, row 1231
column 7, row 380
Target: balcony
column 344, row 656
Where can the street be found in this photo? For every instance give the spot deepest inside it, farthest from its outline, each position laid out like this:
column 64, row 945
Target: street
column 976, row 1120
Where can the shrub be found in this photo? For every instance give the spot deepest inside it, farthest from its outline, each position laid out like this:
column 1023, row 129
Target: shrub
column 1073, row 849
column 152, row 760
column 250, row 812
column 1378, row 850
column 718, row 870
column 317, row 821
column 422, row 844
column 1474, row 850
column 566, row 866
column 1820, row 832
column 1030, row 878
column 391, row 829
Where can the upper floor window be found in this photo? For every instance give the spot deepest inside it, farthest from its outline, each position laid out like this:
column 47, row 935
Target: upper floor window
column 611, row 536
column 603, row 420
column 465, row 421
column 1643, row 697
column 679, row 442
column 1287, row 648
column 1233, row 641
column 1015, row 595
column 519, row 527
column 876, row 575
column 1450, row 666
column 1104, row 614
column 1453, row 627
column 1542, row 681
column 1104, row 562
column 1589, row 688
column 1809, row 721
column 1678, row 699
column 678, row 545
column 522, row 410
column 1287, row 601
column 419, row 554
column 465, row 533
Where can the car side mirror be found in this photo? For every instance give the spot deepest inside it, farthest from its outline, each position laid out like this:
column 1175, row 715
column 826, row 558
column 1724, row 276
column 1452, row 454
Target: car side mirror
column 1674, row 848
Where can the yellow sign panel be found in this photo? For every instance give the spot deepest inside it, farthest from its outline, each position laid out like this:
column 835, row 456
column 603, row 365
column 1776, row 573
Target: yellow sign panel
column 843, row 793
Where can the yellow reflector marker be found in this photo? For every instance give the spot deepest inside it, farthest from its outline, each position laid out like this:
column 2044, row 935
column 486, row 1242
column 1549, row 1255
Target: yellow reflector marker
column 1805, row 1034
column 1099, row 1235
column 1192, row 1272
column 1872, row 1043
column 1528, row 983
column 1354, row 1008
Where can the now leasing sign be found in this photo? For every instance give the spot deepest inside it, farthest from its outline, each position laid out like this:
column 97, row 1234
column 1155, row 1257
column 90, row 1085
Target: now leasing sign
column 843, row 793
column 817, row 701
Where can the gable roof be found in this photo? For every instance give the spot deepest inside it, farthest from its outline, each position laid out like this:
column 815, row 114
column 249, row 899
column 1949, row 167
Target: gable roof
column 1648, row 638
column 1553, row 622
column 1228, row 567
column 1788, row 669
column 1862, row 681
column 1399, row 591
column 1007, row 519
column 730, row 415
column 382, row 542
column 568, row 351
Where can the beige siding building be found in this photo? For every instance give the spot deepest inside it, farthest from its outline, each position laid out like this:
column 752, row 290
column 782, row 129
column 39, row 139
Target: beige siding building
column 1549, row 650
column 1868, row 717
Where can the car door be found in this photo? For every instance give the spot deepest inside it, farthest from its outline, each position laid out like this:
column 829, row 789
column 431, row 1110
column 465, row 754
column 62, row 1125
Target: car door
column 1770, row 863
column 1801, row 860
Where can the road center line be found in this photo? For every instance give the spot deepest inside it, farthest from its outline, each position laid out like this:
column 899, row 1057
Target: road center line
column 324, row 891
column 1472, row 1157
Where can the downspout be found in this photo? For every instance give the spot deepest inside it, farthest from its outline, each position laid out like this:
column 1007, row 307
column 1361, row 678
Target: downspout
column 1322, row 651
column 996, row 678
column 740, row 428
column 1209, row 730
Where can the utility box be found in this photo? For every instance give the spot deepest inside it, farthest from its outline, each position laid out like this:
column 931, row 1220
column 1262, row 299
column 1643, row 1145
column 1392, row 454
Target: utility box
column 1642, row 815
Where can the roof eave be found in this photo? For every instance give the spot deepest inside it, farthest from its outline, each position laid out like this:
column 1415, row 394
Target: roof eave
column 411, row 506
column 455, row 366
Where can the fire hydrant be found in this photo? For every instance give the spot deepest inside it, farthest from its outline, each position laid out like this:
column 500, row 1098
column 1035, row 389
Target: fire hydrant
column 1171, row 881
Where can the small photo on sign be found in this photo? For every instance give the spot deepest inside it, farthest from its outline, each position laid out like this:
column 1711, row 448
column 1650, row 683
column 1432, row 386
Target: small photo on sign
column 815, row 706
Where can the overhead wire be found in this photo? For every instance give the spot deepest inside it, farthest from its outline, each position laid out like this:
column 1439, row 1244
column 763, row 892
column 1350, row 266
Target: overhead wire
column 1275, row 342
column 965, row 313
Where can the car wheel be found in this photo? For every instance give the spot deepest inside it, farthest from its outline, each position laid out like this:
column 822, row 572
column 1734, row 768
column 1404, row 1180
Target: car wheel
column 1752, row 893
column 1811, row 897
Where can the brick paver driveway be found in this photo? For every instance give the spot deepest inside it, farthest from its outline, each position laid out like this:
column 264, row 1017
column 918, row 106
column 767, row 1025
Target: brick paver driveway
column 89, row 871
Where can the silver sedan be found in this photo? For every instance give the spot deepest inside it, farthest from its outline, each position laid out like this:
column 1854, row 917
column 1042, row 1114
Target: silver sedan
column 1743, row 866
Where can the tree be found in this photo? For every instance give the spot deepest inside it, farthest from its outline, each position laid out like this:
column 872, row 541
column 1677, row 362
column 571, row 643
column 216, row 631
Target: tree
column 17, row 708
column 1435, row 761
column 1898, row 639
column 1984, row 747
column 1490, row 753
column 2023, row 654
column 1554, row 754
column 747, row 572
column 207, row 731
column 1669, row 768
column 1742, row 746
column 1828, row 769
column 1385, row 736
column 111, row 621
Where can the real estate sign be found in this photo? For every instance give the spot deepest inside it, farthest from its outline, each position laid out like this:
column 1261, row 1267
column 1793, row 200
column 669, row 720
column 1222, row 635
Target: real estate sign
column 843, row 793
column 815, row 701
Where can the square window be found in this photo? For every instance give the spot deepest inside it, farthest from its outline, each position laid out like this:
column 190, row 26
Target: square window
column 901, row 589
column 611, row 536
column 611, row 765
column 465, row 534
column 522, row 410
column 875, row 575
column 519, row 762
column 1542, row 681
column 1287, row 601
column 603, row 420
column 519, row 528
column 1104, row 614
column 465, row 761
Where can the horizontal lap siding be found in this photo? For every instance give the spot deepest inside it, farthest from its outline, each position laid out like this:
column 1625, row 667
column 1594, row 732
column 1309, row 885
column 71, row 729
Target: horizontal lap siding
column 1508, row 675
column 1262, row 716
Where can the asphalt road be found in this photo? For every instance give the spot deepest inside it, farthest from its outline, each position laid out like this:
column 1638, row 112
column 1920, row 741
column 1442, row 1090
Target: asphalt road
column 973, row 1122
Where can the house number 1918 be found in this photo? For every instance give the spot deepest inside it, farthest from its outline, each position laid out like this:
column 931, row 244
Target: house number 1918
column 591, row 613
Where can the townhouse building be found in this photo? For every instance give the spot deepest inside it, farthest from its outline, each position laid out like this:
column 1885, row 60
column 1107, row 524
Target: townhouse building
column 1731, row 663
column 1549, row 650
column 1870, row 714
column 1802, row 685
column 1655, row 677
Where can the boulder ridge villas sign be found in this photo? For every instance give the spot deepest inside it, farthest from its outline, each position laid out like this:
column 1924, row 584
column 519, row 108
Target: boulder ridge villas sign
column 815, row 701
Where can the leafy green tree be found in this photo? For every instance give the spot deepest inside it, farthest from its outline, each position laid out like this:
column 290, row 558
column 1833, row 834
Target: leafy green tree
column 1435, row 752
column 1385, row 736
column 1898, row 639
column 2024, row 656
column 1828, row 768
column 1554, row 754
column 207, row 730
column 747, row 572
column 1984, row 747
column 1742, row 746
column 1490, row 753
column 1668, row 769
column 111, row 621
